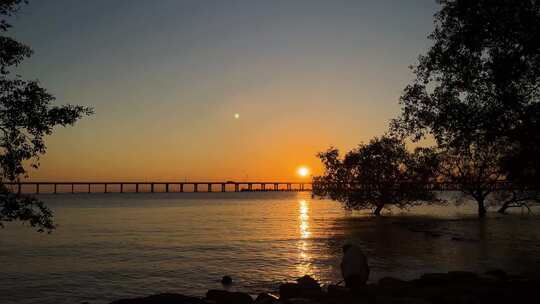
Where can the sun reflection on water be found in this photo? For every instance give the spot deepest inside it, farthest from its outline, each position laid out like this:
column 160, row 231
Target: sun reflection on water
column 304, row 265
column 304, row 220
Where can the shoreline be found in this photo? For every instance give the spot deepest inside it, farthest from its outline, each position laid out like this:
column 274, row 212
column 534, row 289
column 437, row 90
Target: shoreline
column 496, row 286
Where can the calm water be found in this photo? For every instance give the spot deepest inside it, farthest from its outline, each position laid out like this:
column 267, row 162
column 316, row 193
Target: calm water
column 113, row 246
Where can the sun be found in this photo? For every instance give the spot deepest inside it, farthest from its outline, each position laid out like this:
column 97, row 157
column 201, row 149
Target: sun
column 303, row 171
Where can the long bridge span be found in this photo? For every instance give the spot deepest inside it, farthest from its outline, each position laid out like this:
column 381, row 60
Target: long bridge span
column 155, row 187
column 32, row 187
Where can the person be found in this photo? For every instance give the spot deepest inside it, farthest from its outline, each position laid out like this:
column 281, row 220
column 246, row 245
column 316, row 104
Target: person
column 354, row 267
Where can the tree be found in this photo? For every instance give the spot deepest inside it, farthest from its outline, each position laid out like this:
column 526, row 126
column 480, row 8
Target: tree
column 377, row 174
column 521, row 163
column 474, row 169
column 27, row 115
column 517, row 198
column 479, row 83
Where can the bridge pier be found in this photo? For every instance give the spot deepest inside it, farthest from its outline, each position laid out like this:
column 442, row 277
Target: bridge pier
column 166, row 188
column 223, row 188
column 195, row 187
column 209, row 187
column 236, row 187
column 152, row 187
column 181, row 187
column 121, row 188
column 276, row 187
column 136, row 188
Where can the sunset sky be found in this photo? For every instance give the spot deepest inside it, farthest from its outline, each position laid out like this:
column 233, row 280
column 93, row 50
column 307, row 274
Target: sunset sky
column 167, row 77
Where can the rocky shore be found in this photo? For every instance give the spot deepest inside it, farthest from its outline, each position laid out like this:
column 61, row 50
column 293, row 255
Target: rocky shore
column 452, row 287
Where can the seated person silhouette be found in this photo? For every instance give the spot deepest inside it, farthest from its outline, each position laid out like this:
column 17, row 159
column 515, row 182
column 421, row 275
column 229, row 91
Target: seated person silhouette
column 354, row 267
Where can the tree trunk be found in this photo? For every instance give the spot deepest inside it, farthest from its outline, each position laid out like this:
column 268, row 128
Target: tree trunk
column 378, row 210
column 481, row 208
column 503, row 208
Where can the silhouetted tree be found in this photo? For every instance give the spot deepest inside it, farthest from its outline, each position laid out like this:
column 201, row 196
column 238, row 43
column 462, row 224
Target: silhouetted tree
column 377, row 174
column 516, row 198
column 522, row 161
column 475, row 168
column 479, row 83
column 27, row 115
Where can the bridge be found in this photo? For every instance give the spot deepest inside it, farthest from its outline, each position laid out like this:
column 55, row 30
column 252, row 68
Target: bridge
column 217, row 186
column 155, row 187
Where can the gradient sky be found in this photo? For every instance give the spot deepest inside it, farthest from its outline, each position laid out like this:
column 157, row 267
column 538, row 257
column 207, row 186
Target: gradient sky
column 166, row 78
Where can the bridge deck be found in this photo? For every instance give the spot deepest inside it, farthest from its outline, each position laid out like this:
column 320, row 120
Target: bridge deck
column 197, row 186
column 154, row 187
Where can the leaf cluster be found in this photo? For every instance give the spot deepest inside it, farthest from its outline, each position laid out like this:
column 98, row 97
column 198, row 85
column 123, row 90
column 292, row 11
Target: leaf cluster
column 27, row 115
column 379, row 173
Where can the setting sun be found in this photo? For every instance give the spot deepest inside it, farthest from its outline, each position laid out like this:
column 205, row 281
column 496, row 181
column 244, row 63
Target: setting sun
column 303, row 171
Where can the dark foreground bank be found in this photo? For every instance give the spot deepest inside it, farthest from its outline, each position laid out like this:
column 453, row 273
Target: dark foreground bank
column 452, row 287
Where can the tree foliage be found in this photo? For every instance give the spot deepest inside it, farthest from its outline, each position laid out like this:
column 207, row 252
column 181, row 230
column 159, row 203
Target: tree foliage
column 478, row 88
column 380, row 173
column 27, row 115
column 480, row 77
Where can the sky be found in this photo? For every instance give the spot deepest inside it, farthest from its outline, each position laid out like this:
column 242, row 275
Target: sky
column 167, row 77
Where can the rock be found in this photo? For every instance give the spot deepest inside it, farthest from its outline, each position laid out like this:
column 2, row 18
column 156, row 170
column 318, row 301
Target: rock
column 310, row 288
column 266, row 298
column 462, row 275
column 497, row 273
column 299, row 301
column 289, row 290
column 165, row 298
column 433, row 279
column 226, row 280
column 308, row 282
column 390, row 282
column 307, row 287
column 368, row 290
column 454, row 287
column 227, row 297
column 400, row 300
column 458, row 299
column 336, row 291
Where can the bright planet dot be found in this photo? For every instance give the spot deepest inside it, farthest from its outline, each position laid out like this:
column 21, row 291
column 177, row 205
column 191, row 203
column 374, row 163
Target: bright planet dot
column 303, row 171
column 236, row 115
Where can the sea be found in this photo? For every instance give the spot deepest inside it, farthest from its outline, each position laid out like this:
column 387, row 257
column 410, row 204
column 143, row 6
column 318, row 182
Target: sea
column 112, row 246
